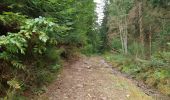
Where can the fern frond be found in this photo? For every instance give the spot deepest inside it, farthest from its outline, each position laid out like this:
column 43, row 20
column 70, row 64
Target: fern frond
column 18, row 64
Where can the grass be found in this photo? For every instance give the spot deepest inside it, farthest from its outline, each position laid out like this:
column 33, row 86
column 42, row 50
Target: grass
column 154, row 72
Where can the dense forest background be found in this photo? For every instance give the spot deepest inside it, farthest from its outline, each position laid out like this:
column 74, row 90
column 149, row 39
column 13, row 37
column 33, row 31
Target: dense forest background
column 138, row 33
column 36, row 35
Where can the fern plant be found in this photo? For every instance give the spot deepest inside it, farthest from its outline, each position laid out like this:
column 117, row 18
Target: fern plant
column 9, row 18
column 40, row 31
column 13, row 44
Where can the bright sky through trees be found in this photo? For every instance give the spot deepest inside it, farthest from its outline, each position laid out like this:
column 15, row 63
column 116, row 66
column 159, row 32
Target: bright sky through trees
column 99, row 10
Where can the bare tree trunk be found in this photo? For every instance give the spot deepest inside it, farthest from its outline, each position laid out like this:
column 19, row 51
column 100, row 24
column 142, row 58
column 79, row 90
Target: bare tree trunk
column 150, row 43
column 125, row 37
column 121, row 37
column 141, row 22
column 122, row 25
column 141, row 29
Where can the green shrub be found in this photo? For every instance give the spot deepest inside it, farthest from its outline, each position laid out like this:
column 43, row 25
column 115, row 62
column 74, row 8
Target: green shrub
column 37, row 34
column 136, row 49
column 116, row 44
column 154, row 72
column 32, row 42
column 88, row 49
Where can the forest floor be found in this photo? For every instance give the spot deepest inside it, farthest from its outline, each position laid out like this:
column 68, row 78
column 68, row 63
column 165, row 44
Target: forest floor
column 92, row 78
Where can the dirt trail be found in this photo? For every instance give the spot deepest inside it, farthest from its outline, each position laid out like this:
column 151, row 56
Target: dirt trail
column 92, row 79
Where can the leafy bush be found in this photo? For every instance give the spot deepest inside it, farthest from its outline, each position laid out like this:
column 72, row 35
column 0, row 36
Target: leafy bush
column 37, row 34
column 160, row 3
column 35, row 37
column 136, row 49
column 116, row 44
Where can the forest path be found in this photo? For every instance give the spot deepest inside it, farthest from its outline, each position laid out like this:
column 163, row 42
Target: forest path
column 91, row 78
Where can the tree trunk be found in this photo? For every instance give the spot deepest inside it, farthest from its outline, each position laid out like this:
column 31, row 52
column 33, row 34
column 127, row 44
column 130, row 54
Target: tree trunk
column 141, row 23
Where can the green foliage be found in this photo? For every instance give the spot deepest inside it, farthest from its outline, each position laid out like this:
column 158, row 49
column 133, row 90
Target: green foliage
column 13, row 43
column 131, row 69
column 154, row 72
column 116, row 44
column 50, row 53
column 118, row 58
column 39, row 31
column 136, row 49
column 10, row 18
column 14, row 85
column 148, row 31
column 160, row 3
column 36, row 34
column 88, row 49
column 162, row 74
column 123, row 6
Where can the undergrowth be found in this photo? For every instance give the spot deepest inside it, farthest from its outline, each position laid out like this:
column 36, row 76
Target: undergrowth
column 154, row 72
column 36, row 36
